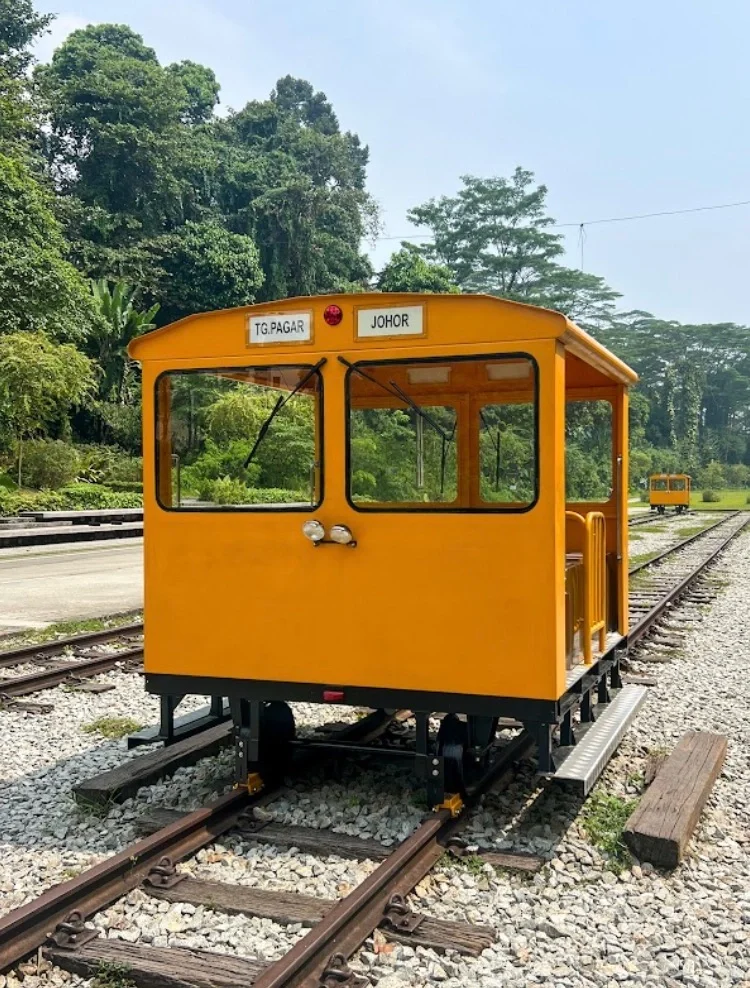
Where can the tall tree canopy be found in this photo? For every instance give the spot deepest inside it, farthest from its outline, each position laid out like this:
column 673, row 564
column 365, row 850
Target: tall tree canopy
column 39, row 289
column 494, row 236
column 408, row 271
column 149, row 172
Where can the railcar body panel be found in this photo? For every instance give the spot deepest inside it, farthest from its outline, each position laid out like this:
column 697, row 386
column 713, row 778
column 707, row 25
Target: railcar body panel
column 461, row 595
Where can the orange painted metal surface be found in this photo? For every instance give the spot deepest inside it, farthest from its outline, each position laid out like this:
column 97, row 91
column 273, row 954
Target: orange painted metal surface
column 443, row 601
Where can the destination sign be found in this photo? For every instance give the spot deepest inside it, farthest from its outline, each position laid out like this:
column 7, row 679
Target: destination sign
column 404, row 320
column 280, row 327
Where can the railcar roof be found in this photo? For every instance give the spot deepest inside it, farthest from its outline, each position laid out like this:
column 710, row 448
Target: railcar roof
column 222, row 333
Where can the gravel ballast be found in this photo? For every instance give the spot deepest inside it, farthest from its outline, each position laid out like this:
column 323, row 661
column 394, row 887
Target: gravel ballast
column 584, row 920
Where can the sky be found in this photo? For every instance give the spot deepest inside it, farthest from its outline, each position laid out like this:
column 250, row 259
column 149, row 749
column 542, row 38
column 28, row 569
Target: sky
column 619, row 109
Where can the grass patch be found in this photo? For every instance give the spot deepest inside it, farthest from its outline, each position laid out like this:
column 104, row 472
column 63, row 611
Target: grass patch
column 64, row 629
column 112, row 976
column 88, row 807
column 727, row 499
column 685, row 533
column 644, row 557
column 472, row 863
column 604, row 817
column 112, row 727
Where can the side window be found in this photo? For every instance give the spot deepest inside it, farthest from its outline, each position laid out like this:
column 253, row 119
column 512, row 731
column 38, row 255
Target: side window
column 588, row 451
column 507, row 454
column 246, row 437
column 403, row 455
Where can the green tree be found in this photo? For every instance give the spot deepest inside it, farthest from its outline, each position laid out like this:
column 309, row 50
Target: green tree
column 40, row 381
column 114, row 119
column 201, row 267
column 20, row 26
column 494, row 236
column 201, row 91
column 120, row 323
column 289, row 178
column 408, row 271
column 39, row 289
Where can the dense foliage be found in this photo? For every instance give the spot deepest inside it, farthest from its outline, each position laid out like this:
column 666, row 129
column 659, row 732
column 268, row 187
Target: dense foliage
column 127, row 202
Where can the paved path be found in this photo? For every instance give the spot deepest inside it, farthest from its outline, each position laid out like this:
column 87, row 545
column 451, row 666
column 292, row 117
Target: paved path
column 42, row 585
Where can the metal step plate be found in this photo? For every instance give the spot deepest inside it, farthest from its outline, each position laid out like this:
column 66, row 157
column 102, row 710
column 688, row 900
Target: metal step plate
column 586, row 761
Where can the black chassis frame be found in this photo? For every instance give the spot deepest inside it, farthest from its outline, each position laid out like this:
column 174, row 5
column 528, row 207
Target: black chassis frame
column 541, row 718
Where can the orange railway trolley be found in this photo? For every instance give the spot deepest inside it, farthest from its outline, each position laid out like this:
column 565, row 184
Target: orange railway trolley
column 669, row 490
column 420, row 552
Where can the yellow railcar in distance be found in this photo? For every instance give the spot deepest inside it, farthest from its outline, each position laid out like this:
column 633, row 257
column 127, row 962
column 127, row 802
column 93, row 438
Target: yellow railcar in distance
column 361, row 499
column 669, row 490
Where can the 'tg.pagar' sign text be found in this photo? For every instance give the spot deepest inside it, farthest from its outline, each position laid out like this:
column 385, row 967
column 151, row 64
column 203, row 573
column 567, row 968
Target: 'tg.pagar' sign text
column 280, row 327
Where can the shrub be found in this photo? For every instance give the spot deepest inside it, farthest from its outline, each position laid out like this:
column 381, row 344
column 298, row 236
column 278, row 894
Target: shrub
column 709, row 496
column 75, row 497
column 102, row 464
column 226, row 490
column 14, row 502
column 78, row 497
column 48, row 463
column 126, row 485
column 7, row 482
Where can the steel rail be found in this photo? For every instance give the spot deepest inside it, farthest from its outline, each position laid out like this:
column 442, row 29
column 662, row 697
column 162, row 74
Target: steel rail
column 636, row 520
column 348, row 924
column 46, row 679
column 680, row 545
column 16, row 656
column 639, row 630
column 25, row 929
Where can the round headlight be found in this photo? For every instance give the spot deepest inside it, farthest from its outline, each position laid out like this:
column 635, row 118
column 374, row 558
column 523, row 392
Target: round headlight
column 313, row 530
column 341, row 534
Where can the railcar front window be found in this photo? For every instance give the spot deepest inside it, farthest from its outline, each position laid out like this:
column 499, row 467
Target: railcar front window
column 403, row 455
column 659, row 485
column 677, row 484
column 507, row 457
column 240, row 438
column 443, row 435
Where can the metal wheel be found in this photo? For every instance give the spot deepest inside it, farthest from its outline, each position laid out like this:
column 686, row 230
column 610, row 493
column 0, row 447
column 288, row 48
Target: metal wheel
column 277, row 730
column 453, row 739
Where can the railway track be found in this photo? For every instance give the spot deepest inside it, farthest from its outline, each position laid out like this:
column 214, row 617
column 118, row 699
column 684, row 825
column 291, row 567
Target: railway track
column 658, row 583
column 651, row 518
column 77, row 665
column 337, row 929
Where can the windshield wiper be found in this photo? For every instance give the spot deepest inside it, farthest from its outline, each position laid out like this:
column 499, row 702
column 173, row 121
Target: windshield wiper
column 487, row 426
column 395, row 391
column 280, row 402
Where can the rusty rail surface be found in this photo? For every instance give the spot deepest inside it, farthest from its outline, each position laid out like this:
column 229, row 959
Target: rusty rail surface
column 681, row 545
column 24, row 930
column 348, row 924
column 639, row 630
column 46, row 679
column 25, row 653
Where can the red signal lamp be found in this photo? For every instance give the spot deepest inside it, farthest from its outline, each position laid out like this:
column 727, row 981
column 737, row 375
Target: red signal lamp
column 333, row 315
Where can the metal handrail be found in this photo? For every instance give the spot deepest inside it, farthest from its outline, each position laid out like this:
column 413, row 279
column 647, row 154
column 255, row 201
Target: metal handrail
column 594, row 528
